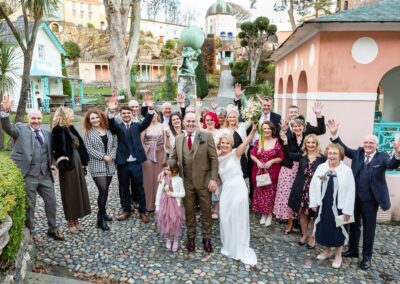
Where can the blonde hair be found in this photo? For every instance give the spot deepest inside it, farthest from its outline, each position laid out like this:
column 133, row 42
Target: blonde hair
column 304, row 147
column 226, row 123
column 62, row 116
column 226, row 136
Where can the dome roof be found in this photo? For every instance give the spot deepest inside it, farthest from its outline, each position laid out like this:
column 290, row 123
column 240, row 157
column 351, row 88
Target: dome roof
column 220, row 7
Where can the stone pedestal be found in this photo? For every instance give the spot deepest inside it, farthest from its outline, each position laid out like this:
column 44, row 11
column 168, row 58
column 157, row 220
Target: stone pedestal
column 187, row 86
column 4, row 236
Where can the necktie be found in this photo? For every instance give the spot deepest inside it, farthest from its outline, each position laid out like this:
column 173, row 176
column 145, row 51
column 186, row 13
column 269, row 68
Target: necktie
column 190, row 142
column 38, row 137
column 367, row 159
column 128, row 126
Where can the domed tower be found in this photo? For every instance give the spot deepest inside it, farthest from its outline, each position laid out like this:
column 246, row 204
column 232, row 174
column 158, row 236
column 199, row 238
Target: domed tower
column 220, row 20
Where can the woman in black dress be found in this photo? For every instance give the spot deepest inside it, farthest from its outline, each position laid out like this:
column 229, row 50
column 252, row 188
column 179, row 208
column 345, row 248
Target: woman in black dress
column 332, row 194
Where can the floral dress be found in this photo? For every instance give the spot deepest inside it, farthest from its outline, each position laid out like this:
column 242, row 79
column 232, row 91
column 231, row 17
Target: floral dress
column 264, row 197
column 305, row 198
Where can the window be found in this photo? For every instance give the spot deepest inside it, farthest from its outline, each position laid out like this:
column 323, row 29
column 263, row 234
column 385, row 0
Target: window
column 74, row 9
column 41, row 51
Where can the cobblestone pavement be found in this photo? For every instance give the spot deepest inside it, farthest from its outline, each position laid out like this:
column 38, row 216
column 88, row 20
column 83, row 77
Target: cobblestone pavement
column 133, row 252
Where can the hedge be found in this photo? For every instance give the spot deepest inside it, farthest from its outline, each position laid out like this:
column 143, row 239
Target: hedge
column 12, row 183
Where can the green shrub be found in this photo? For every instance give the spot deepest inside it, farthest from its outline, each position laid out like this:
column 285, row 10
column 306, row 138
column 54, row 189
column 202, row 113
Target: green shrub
column 170, row 44
column 252, row 90
column 67, row 90
column 72, row 48
column 238, row 68
column 90, row 25
column 267, row 89
column 201, row 79
column 242, row 80
column 12, row 189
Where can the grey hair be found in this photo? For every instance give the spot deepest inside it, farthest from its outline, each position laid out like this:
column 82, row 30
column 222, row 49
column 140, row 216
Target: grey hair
column 33, row 111
column 133, row 102
column 373, row 137
column 221, row 111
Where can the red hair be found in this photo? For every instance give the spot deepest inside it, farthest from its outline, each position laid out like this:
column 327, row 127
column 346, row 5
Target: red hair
column 103, row 119
column 213, row 116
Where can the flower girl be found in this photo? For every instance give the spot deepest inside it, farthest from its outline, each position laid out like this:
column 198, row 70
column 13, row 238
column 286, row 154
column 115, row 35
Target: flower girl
column 169, row 209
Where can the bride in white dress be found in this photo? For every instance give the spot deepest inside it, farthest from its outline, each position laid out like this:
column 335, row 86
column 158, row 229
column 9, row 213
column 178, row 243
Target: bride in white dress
column 234, row 203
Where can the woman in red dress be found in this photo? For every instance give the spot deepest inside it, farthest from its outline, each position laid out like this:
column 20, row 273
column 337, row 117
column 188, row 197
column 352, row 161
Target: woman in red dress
column 266, row 159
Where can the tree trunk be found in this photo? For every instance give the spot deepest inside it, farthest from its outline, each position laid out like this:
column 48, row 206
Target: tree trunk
column 291, row 15
column 121, row 55
column 23, row 96
column 338, row 5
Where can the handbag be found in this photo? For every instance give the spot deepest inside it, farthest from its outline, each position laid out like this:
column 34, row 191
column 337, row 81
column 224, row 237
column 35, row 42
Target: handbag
column 263, row 179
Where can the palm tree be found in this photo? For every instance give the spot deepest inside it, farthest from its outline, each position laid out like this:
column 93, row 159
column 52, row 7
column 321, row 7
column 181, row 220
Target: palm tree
column 9, row 72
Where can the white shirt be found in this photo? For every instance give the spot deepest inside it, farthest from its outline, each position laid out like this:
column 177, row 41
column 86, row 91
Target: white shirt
column 39, row 132
column 371, row 156
column 165, row 121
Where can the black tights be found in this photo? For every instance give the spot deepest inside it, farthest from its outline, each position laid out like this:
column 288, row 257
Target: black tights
column 102, row 183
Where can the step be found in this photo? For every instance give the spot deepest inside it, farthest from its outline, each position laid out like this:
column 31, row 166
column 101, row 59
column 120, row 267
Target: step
column 38, row 278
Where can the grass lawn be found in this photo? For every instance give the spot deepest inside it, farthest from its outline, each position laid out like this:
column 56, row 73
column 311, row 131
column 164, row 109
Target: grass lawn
column 46, row 118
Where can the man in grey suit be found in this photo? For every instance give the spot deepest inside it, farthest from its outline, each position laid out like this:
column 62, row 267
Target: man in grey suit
column 32, row 154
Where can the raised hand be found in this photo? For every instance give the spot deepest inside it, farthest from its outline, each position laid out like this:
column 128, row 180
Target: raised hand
column 112, row 103
column 180, row 98
column 147, row 97
column 214, row 104
column 317, row 108
column 284, row 125
column 199, row 103
column 150, row 105
column 6, row 103
column 333, row 127
column 283, row 136
column 396, row 146
column 238, row 91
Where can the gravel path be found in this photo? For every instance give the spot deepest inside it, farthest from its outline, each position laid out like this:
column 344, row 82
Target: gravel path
column 133, row 252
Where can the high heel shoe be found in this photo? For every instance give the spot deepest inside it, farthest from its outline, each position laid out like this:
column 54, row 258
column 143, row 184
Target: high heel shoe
column 262, row 220
column 288, row 231
column 268, row 221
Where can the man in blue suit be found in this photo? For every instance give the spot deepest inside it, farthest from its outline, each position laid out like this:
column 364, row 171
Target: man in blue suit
column 130, row 156
column 368, row 167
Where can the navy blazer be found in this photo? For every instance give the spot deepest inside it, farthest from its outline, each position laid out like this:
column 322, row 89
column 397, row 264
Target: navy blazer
column 119, row 129
column 379, row 163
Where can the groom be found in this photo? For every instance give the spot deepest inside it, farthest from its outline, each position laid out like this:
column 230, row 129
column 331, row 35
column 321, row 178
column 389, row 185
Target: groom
column 198, row 163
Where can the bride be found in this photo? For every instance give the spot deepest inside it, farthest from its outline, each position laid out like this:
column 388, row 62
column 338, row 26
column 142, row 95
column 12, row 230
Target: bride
column 234, row 203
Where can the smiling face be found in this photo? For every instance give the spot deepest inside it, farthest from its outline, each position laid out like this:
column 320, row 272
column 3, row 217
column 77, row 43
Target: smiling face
column 94, row 120
column 232, row 119
column 135, row 107
column 311, row 144
column 35, row 119
column 209, row 122
column 190, row 123
column 221, row 119
column 166, row 109
column 333, row 156
column 176, row 121
column 369, row 144
column 266, row 106
column 155, row 117
column 267, row 130
column 298, row 128
column 225, row 145
column 126, row 115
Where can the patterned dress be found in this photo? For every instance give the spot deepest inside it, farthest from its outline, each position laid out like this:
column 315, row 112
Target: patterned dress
column 285, row 183
column 264, row 197
column 305, row 198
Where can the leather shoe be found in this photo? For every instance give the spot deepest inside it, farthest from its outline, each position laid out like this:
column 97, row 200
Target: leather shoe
column 191, row 244
column 144, row 217
column 365, row 264
column 207, row 245
column 349, row 253
column 56, row 235
column 124, row 216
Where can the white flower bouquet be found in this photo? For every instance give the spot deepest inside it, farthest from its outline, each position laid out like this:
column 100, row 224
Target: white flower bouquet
column 252, row 112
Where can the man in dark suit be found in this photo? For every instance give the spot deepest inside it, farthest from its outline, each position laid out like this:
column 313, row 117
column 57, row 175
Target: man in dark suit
column 368, row 167
column 130, row 156
column 32, row 155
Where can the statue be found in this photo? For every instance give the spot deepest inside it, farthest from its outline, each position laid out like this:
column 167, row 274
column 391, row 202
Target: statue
column 192, row 39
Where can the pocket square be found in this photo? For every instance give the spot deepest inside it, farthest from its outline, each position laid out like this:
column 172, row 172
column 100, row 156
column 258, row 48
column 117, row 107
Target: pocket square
column 376, row 166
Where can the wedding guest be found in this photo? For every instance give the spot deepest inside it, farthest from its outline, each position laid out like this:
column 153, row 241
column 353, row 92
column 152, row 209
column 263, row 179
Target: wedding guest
column 368, row 166
column 170, row 213
column 175, row 128
column 210, row 124
column 72, row 158
column 101, row 145
column 153, row 144
column 299, row 197
column 296, row 132
column 221, row 114
column 267, row 159
column 234, row 211
column 130, row 156
column 332, row 194
column 33, row 156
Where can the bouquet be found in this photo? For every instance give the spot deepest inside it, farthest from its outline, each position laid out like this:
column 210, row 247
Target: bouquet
column 252, row 112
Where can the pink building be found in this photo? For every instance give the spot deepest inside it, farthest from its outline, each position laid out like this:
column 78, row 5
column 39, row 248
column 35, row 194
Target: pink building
column 350, row 61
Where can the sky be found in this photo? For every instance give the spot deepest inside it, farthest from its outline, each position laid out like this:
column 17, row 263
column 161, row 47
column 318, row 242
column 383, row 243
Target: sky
column 263, row 8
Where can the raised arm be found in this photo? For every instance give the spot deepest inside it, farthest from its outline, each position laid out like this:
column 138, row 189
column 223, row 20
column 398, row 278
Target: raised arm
column 294, row 156
column 9, row 128
column 394, row 162
column 242, row 147
column 333, row 129
column 320, row 128
column 149, row 116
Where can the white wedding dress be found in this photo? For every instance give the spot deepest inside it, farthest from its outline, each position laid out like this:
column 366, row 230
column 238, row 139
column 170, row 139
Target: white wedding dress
column 234, row 211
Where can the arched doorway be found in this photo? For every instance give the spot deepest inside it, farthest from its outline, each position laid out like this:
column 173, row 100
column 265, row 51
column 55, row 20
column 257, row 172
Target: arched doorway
column 387, row 111
column 288, row 95
column 302, row 89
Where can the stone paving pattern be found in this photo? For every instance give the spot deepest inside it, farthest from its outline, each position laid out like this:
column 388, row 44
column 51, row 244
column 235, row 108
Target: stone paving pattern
column 134, row 252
